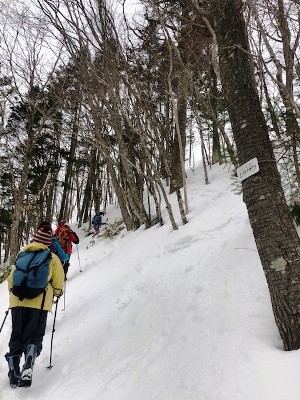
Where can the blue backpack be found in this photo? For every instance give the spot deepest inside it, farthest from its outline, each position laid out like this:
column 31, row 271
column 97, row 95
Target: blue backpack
column 30, row 277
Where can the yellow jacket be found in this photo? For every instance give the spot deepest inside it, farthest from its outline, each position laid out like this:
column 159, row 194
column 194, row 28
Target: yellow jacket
column 56, row 275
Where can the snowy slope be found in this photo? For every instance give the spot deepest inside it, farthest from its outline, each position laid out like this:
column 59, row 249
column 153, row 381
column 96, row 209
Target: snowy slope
column 159, row 314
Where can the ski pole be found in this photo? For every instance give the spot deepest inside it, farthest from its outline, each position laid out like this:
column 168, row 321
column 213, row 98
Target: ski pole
column 80, row 270
column 53, row 330
column 65, row 288
column 6, row 314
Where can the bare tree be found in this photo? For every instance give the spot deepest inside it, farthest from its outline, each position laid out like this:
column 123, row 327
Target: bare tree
column 277, row 54
column 274, row 232
column 22, row 54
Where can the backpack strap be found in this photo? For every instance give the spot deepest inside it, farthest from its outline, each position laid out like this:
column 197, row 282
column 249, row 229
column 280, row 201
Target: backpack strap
column 43, row 300
column 44, row 292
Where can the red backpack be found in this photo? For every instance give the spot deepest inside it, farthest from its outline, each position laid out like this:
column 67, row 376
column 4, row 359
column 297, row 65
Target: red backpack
column 63, row 235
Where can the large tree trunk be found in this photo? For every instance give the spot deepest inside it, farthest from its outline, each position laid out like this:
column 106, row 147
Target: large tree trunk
column 216, row 147
column 275, row 235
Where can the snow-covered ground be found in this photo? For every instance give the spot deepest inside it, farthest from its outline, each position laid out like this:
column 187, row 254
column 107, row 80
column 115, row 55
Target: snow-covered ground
column 159, row 314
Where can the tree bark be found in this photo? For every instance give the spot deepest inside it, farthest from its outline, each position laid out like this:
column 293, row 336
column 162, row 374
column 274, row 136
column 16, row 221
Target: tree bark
column 216, row 147
column 64, row 212
column 274, row 232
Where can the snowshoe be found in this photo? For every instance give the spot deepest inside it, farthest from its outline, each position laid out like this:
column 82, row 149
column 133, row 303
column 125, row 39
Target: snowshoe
column 14, row 373
column 26, row 377
column 13, row 379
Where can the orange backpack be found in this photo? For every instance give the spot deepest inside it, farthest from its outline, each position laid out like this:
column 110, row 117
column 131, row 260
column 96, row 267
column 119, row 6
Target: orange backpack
column 63, row 236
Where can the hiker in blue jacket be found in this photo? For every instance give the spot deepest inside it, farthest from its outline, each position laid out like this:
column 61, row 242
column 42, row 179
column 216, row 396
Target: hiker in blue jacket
column 97, row 222
column 56, row 248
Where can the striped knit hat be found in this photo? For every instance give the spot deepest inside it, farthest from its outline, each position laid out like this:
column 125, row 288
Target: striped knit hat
column 43, row 235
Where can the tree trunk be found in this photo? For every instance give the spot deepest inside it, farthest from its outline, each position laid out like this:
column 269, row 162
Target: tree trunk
column 19, row 191
column 64, row 212
column 87, row 199
column 274, row 232
column 127, row 219
column 178, row 144
column 216, row 148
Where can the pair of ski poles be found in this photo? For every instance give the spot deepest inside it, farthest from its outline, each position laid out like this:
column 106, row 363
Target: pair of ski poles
column 53, row 330
column 54, row 321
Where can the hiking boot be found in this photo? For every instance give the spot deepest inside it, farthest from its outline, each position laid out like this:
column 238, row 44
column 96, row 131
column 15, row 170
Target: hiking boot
column 26, row 377
column 14, row 373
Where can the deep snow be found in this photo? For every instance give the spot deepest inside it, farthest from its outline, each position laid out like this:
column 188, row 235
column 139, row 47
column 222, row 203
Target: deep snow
column 159, row 314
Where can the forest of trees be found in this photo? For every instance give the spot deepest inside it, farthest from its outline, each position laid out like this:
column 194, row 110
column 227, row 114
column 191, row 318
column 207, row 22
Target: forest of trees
column 100, row 105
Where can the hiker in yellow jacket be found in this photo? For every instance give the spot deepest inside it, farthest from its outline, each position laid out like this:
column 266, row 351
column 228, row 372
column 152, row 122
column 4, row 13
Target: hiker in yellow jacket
column 29, row 316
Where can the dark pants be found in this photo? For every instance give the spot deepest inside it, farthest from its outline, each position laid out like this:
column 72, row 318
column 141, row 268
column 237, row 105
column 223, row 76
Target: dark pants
column 28, row 327
column 66, row 265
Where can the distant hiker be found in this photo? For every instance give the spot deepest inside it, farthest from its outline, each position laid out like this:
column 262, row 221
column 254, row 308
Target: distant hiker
column 66, row 237
column 30, row 300
column 97, row 222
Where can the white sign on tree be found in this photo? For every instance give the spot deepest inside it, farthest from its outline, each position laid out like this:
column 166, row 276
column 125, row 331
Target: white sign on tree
column 251, row 167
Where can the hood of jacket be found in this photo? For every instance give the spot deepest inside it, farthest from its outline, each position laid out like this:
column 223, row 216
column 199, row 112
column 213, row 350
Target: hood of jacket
column 34, row 246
